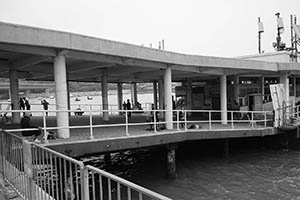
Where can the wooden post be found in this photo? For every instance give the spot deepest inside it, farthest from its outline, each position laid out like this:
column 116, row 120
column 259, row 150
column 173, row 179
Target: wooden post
column 171, row 161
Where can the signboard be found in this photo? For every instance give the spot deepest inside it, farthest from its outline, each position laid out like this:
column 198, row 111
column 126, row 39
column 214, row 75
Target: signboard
column 277, row 94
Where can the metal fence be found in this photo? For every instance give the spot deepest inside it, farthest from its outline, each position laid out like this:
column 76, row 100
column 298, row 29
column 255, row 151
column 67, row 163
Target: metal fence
column 154, row 120
column 39, row 173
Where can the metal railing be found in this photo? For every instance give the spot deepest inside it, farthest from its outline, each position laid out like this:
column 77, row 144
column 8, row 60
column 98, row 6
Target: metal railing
column 114, row 187
column 154, row 120
column 12, row 163
column 39, row 173
column 85, row 107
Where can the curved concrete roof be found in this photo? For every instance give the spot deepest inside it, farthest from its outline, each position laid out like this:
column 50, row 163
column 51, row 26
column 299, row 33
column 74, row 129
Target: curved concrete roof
column 31, row 51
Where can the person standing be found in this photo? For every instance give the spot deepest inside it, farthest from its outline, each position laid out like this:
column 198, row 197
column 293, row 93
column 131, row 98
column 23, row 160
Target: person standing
column 22, row 104
column 128, row 107
column 26, row 123
column 27, row 104
column 45, row 104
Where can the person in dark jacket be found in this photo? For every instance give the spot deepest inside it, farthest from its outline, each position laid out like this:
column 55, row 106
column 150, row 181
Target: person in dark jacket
column 27, row 104
column 26, row 123
column 128, row 107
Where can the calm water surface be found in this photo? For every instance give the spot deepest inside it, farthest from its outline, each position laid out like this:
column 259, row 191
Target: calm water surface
column 203, row 173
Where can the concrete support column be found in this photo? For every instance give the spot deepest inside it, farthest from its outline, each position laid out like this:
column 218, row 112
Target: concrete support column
column 236, row 89
column 171, row 160
column 68, row 96
column 168, row 98
column 133, row 94
column 284, row 79
column 189, row 97
column 14, row 92
column 104, row 95
column 161, row 94
column 61, row 96
column 154, row 95
column 120, row 97
column 223, row 99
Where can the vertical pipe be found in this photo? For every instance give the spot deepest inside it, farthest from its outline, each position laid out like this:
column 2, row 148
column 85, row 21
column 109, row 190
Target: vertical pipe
column 259, row 39
column 85, row 183
column 61, row 96
column 161, row 96
column 292, row 39
column 91, row 125
column 296, row 46
column 209, row 119
column 120, row 97
column 45, row 127
column 154, row 95
column 126, row 122
column 262, row 89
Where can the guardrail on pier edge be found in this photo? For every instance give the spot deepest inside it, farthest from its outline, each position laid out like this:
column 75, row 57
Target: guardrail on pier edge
column 154, row 120
column 38, row 173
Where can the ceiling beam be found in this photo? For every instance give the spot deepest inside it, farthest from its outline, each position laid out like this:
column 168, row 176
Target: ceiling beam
column 28, row 61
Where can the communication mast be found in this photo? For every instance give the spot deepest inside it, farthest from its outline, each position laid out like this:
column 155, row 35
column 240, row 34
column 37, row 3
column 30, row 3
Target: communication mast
column 260, row 31
column 295, row 37
column 279, row 45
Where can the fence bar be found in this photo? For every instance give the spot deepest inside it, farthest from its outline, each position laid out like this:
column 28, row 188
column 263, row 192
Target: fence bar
column 91, row 125
column 209, row 119
column 177, row 115
column 45, row 127
column 126, row 119
column 232, row 126
column 154, row 121
column 185, row 121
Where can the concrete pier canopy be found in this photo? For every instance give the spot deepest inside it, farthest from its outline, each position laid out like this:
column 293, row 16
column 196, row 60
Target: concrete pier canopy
column 31, row 51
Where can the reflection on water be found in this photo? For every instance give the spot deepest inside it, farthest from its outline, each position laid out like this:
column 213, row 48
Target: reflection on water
column 251, row 172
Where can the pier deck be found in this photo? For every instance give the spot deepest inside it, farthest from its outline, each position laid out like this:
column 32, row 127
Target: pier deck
column 109, row 139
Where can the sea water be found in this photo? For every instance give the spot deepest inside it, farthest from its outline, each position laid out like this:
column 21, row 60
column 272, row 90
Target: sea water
column 250, row 172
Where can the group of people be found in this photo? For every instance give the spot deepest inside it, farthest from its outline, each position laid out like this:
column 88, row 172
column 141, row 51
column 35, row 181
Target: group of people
column 127, row 106
column 24, row 104
column 26, row 122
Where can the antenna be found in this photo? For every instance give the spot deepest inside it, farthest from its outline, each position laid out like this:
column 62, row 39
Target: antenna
column 260, row 31
column 280, row 29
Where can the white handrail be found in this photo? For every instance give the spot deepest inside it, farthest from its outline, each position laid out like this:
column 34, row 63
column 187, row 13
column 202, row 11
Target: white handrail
column 186, row 121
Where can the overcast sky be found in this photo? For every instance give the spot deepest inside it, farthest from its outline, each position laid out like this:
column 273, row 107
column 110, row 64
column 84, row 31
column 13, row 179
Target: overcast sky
column 225, row 28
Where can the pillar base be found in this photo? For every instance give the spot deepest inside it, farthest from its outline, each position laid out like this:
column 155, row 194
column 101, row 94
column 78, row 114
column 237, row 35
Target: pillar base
column 171, row 161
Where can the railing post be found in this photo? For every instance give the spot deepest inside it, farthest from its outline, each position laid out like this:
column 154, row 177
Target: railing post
column 91, row 125
column 209, row 119
column 265, row 119
column 232, row 126
column 45, row 127
column 84, row 183
column 252, row 119
column 154, row 121
column 177, row 115
column 126, row 121
column 185, row 121
column 28, row 170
